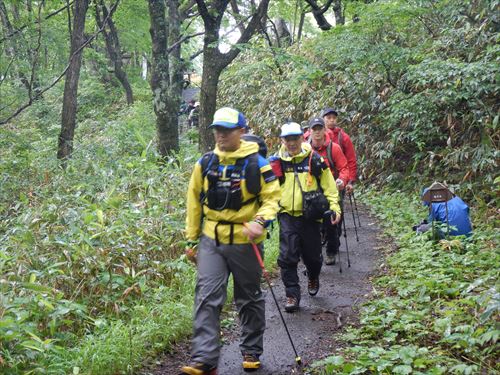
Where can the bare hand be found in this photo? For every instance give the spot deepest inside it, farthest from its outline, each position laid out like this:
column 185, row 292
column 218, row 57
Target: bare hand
column 349, row 188
column 253, row 230
column 191, row 254
column 335, row 218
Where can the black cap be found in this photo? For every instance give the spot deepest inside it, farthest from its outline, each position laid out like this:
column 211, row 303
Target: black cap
column 327, row 110
column 316, row 121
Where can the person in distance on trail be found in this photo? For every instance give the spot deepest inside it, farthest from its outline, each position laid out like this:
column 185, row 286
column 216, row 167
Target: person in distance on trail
column 229, row 187
column 190, row 106
column 333, row 156
column 340, row 137
column 308, row 193
column 194, row 115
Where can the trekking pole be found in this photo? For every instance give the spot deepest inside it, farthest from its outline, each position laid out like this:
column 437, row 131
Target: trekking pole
column 338, row 235
column 354, row 218
column 346, row 246
column 356, row 208
column 266, row 276
column 345, row 233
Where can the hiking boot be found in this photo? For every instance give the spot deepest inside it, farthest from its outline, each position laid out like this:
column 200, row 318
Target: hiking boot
column 250, row 362
column 313, row 286
column 329, row 260
column 292, row 304
column 199, row 369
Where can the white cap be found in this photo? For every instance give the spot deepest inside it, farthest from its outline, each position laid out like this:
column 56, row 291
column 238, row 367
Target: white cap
column 290, row 128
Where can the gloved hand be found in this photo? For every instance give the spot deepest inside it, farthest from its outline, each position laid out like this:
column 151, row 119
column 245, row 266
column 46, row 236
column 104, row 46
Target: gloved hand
column 340, row 184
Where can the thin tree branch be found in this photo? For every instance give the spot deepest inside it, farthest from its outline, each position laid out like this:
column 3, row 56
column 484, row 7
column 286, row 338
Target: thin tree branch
column 249, row 30
column 4, row 75
column 196, row 54
column 26, row 25
column 236, row 11
column 183, row 39
column 275, row 29
column 41, row 92
column 185, row 11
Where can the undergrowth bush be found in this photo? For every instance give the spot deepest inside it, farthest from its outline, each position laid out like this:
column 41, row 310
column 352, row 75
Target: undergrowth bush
column 93, row 276
column 435, row 306
column 92, row 249
column 416, row 84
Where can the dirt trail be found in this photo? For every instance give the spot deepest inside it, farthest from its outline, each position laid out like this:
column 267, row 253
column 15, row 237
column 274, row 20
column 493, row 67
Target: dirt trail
column 315, row 326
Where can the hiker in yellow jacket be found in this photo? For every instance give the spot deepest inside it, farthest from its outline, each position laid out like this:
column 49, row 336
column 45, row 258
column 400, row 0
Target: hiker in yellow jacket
column 303, row 176
column 230, row 186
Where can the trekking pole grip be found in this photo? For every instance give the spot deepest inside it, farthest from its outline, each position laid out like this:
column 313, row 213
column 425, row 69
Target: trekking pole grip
column 257, row 252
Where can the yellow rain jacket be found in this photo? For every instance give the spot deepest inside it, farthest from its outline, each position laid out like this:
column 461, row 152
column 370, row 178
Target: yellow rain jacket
column 291, row 196
column 266, row 206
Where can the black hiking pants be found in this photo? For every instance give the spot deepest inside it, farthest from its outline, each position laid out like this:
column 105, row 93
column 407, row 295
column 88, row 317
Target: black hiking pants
column 299, row 238
column 332, row 235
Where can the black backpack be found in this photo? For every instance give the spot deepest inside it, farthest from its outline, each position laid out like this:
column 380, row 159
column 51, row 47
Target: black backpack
column 259, row 141
column 227, row 194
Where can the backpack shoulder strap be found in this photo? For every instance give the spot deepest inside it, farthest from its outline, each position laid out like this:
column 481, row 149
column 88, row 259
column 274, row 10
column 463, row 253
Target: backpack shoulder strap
column 341, row 139
column 207, row 161
column 252, row 173
column 329, row 155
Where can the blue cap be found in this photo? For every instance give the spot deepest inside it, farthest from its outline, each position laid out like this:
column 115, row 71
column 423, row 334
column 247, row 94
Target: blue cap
column 327, row 111
column 316, row 121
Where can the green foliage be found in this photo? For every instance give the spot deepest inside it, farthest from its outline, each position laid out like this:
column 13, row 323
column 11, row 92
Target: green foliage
column 416, row 83
column 87, row 253
column 435, row 306
column 93, row 276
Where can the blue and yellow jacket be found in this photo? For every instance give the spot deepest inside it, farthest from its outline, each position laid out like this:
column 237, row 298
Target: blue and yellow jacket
column 291, row 195
column 200, row 218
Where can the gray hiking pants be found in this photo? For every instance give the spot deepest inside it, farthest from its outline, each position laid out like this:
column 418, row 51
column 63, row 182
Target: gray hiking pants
column 214, row 265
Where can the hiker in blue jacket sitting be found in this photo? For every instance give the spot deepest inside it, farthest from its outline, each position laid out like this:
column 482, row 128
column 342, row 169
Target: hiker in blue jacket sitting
column 458, row 216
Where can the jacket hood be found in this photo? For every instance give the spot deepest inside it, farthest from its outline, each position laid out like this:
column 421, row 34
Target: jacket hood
column 304, row 152
column 245, row 149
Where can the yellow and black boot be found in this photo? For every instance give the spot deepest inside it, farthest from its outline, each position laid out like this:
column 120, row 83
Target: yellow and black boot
column 198, row 369
column 250, row 362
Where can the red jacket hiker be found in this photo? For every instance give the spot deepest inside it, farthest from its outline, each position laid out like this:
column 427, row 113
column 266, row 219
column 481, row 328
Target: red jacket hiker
column 339, row 168
column 340, row 137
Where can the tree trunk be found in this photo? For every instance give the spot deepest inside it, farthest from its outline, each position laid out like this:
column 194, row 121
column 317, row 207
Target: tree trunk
column 301, row 25
column 69, row 109
column 318, row 13
column 175, row 60
column 339, row 13
column 214, row 61
column 208, row 98
column 166, row 117
column 284, row 35
column 113, row 48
